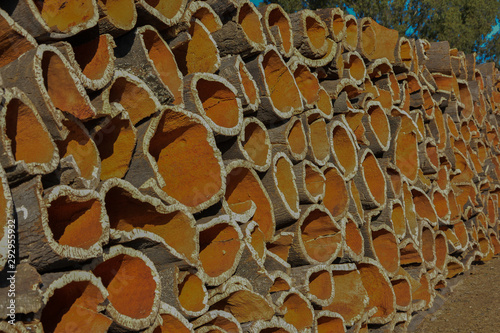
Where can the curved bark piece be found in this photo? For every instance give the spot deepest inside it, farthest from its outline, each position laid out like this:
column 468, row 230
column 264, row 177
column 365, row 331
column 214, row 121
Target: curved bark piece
column 41, row 73
column 351, row 298
column 244, row 189
column 244, row 35
column 402, row 291
column 428, row 245
column 275, row 325
column 383, row 245
column 377, row 41
column 315, row 282
column 202, row 11
column 309, row 34
column 252, row 144
column 20, row 123
column 307, row 82
column 454, row 267
column 233, row 69
column 423, row 206
column 428, row 156
column 438, row 56
column 350, row 41
column 280, row 96
column 130, row 92
column 441, row 248
column 6, row 209
column 310, row 182
column 59, row 219
column 344, row 150
column 324, row 104
column 170, row 320
column 133, row 284
column 15, row 41
column 354, row 67
column 277, row 254
column 354, row 247
column 296, row 309
column 79, row 152
column 221, row 247
column 115, row 139
column 133, row 215
column 410, row 253
column 393, row 215
column 318, row 239
column 405, row 57
column 244, row 304
column 406, row 154
column 331, row 52
column 53, row 19
column 217, row 320
column 158, row 66
column 215, row 99
column 411, row 216
column 188, row 168
column 317, row 137
column 290, row 138
column 76, row 298
column 196, row 50
column 336, row 198
column 278, row 28
column 379, row 289
column 162, row 13
column 377, row 128
column 116, row 17
column 327, row 321
column 370, row 181
column 334, row 20
column 279, row 182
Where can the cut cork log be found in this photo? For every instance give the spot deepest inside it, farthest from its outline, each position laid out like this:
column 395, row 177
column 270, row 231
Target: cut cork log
column 122, row 267
column 202, row 11
column 315, row 282
column 336, row 198
column 196, row 50
column 116, row 17
column 233, row 69
column 280, row 96
column 252, row 144
column 334, row 20
column 162, row 14
column 276, row 324
column 6, row 208
column 351, row 298
column 80, row 165
column 75, row 298
column 237, row 298
column 381, row 244
column 131, row 93
column 170, row 320
column 278, row 28
column 179, row 138
column 350, row 41
column 309, row 34
column 377, row 128
column 15, row 41
column 377, row 41
column 317, row 238
column 221, row 247
column 328, row 321
column 59, row 218
column 134, row 216
column 297, row 309
column 215, row 99
column 290, row 138
column 19, row 124
column 343, row 148
column 53, row 19
column 217, row 320
column 310, row 182
column 279, row 182
column 93, row 61
column 40, row 74
column 115, row 139
column 318, row 150
column 379, row 290
column 158, row 66
column 307, row 82
column 370, row 181
column 244, row 189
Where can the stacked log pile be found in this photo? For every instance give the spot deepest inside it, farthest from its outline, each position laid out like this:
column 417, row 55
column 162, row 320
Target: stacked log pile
column 210, row 166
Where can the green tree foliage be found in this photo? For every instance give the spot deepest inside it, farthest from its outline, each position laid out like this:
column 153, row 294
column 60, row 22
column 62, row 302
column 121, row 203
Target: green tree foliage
column 463, row 23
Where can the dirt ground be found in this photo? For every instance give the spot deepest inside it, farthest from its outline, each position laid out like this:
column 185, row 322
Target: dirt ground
column 474, row 305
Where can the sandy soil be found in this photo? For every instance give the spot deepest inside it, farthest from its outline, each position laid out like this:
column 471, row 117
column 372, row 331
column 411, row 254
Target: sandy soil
column 474, row 305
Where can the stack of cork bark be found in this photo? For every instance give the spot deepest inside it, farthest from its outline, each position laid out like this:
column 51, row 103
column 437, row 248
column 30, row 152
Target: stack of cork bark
column 210, row 166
